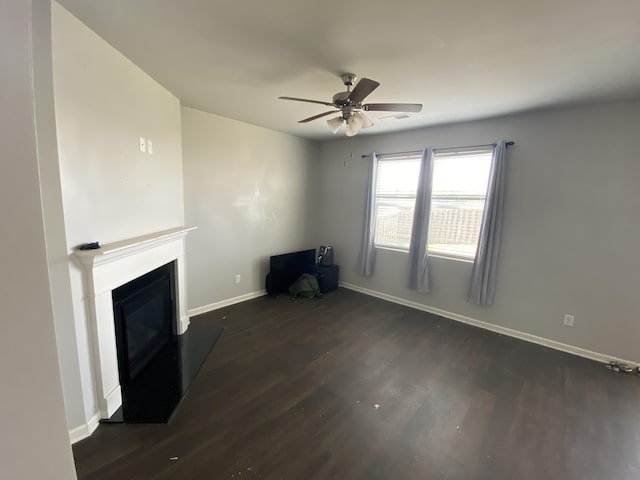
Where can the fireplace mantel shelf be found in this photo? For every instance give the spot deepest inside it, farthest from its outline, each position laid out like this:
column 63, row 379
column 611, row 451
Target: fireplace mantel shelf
column 112, row 251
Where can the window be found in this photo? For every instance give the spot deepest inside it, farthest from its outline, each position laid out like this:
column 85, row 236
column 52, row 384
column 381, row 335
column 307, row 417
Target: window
column 395, row 199
column 457, row 201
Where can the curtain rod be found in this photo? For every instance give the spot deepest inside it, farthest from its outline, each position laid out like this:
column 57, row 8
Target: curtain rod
column 413, row 152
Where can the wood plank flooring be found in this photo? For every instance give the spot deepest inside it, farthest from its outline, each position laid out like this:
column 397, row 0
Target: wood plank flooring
column 352, row 387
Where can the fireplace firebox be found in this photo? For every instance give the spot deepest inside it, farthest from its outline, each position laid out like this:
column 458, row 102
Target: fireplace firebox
column 144, row 313
column 149, row 364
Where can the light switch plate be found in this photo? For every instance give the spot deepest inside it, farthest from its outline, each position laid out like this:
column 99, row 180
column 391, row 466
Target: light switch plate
column 143, row 145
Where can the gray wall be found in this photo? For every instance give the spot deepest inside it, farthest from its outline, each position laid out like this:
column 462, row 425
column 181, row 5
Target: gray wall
column 105, row 189
column 250, row 191
column 34, row 443
column 570, row 233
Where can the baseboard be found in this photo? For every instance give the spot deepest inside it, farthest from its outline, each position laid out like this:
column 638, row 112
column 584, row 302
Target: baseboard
column 225, row 303
column 563, row 347
column 84, row 431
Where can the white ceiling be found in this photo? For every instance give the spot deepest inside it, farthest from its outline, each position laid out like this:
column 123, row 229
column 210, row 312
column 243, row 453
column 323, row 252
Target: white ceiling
column 462, row 60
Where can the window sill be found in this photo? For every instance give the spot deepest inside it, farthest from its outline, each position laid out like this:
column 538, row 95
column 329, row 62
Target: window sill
column 451, row 257
column 435, row 254
column 392, row 249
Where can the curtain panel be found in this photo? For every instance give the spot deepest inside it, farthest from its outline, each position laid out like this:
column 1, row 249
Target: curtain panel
column 483, row 275
column 367, row 256
column 418, row 257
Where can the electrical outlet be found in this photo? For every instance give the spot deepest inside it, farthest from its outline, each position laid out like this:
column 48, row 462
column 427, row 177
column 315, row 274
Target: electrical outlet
column 143, row 145
column 569, row 319
column 237, row 278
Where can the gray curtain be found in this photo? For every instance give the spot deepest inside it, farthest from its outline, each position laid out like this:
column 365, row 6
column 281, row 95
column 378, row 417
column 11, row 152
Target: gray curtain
column 483, row 276
column 418, row 258
column 367, row 257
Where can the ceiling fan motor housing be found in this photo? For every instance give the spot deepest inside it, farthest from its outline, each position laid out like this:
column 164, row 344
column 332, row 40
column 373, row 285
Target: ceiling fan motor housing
column 341, row 99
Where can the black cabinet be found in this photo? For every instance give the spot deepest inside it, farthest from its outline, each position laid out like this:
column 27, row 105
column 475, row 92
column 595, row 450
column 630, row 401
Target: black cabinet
column 327, row 276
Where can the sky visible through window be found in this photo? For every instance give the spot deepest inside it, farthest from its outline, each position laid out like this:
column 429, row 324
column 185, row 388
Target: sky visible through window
column 398, row 176
column 464, row 175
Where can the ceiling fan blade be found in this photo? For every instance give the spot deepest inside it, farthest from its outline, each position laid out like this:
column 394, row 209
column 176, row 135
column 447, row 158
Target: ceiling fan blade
column 393, row 107
column 318, row 116
column 306, row 100
column 363, row 88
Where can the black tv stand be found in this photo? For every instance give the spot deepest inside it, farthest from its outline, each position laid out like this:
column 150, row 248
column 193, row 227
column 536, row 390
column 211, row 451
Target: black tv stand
column 285, row 270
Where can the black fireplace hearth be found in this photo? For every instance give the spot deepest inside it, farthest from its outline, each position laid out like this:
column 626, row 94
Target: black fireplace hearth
column 155, row 365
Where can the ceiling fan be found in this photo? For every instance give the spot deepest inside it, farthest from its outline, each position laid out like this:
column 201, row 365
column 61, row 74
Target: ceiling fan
column 349, row 105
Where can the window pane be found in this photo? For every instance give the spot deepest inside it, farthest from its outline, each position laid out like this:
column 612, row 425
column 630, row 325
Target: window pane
column 457, row 204
column 394, row 218
column 462, row 174
column 397, row 177
column 454, row 226
column 396, row 186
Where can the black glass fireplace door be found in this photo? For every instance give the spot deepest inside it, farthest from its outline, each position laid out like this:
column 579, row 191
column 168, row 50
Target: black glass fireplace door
column 144, row 313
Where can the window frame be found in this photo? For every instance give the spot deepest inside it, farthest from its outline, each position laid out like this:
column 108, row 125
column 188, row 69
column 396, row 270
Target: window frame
column 452, row 153
column 415, row 156
column 435, row 252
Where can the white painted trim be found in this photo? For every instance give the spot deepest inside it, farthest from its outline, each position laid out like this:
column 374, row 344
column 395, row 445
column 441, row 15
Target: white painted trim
column 85, row 430
column 184, row 324
column 113, row 401
column 130, row 246
column 563, row 347
column 225, row 303
column 114, row 265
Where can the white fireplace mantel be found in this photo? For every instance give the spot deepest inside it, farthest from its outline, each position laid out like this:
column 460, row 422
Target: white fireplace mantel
column 111, row 266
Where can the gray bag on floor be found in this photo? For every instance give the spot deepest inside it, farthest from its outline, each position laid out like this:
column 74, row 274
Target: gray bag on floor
column 305, row 286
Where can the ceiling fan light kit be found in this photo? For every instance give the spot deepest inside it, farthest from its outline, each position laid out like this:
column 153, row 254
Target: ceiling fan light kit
column 354, row 123
column 350, row 107
column 335, row 124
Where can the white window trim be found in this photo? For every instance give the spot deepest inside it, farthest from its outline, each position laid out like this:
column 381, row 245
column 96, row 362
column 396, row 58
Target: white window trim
column 451, row 256
column 449, row 151
column 432, row 253
column 386, row 158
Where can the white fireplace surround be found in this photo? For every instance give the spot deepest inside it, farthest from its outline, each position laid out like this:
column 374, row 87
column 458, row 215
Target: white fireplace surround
column 111, row 266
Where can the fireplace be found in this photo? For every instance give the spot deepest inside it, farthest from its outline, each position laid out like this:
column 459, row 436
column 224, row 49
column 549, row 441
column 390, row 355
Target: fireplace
column 144, row 314
column 144, row 356
column 106, row 270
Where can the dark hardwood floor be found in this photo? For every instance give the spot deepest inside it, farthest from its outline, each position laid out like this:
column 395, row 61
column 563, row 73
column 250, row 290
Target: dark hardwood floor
column 352, row 387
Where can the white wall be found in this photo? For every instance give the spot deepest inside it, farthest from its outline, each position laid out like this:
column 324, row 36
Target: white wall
column 104, row 103
column 570, row 233
column 109, row 190
column 251, row 192
column 33, row 441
